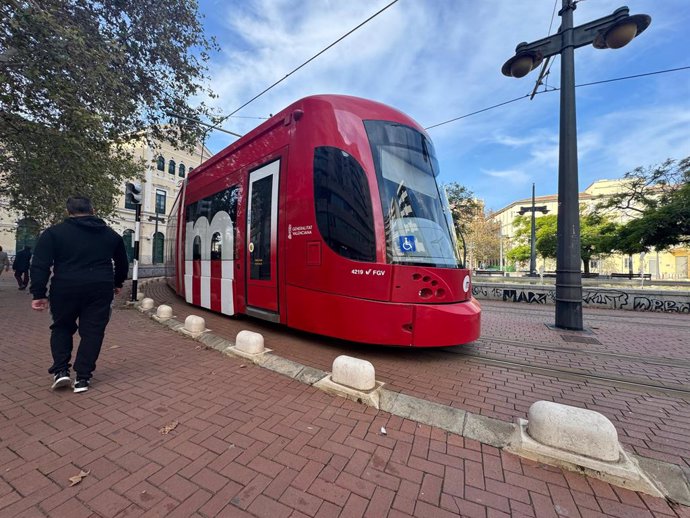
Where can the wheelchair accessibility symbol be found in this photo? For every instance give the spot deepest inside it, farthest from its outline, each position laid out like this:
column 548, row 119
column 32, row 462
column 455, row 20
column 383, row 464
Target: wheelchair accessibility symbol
column 407, row 244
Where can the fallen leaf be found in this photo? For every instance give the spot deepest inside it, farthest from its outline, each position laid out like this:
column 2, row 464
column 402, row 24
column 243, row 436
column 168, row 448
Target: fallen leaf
column 77, row 478
column 242, row 366
column 114, row 347
column 169, row 427
column 383, row 431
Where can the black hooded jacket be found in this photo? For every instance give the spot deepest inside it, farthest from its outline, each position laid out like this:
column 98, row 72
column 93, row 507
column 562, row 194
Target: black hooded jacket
column 81, row 251
column 22, row 260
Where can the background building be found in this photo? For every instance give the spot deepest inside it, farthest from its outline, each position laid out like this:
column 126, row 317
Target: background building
column 165, row 168
column 668, row 264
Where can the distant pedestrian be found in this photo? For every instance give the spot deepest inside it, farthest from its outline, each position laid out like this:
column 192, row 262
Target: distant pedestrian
column 4, row 261
column 21, row 264
column 89, row 264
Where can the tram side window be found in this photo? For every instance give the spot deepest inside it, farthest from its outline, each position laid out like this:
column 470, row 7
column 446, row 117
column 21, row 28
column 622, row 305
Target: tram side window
column 196, row 249
column 216, row 246
column 344, row 213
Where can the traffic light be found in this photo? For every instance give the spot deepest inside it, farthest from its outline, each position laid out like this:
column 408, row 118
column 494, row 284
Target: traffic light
column 133, row 193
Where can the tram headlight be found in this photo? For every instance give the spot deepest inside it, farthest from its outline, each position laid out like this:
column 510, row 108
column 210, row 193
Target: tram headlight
column 466, row 283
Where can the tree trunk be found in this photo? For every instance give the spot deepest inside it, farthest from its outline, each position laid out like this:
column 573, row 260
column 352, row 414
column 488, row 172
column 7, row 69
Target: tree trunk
column 630, row 266
column 585, row 260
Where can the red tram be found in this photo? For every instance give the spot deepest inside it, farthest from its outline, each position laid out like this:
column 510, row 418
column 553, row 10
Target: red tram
column 326, row 218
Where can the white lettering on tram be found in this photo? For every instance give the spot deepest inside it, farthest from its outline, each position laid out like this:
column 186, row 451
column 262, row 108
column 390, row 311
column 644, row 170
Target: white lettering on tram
column 369, row 271
column 301, row 230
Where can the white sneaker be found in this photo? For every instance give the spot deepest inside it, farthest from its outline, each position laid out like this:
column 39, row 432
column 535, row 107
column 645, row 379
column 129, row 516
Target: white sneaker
column 61, row 379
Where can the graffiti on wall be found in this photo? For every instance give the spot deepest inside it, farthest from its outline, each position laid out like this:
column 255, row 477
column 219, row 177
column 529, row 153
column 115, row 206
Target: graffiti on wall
column 653, row 304
column 607, row 298
column 610, row 298
column 530, row 297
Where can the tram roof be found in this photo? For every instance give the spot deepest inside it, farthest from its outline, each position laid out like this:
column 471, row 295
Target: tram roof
column 366, row 109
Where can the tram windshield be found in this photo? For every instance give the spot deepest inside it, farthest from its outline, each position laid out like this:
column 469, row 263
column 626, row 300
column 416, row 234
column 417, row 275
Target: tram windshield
column 415, row 211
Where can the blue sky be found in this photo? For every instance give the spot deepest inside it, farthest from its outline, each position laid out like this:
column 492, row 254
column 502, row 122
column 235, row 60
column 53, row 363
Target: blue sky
column 440, row 59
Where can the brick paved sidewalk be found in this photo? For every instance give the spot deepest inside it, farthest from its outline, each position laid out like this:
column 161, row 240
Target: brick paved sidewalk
column 243, row 441
column 650, row 424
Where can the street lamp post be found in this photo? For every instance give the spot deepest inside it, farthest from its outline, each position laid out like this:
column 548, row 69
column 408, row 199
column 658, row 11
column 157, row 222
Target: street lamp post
column 533, row 234
column 613, row 31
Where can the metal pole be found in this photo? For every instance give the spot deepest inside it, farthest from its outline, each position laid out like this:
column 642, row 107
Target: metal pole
column 568, row 276
column 533, row 245
column 135, row 263
column 500, row 250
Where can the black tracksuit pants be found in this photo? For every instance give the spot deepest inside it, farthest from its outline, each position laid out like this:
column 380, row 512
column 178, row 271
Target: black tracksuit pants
column 91, row 306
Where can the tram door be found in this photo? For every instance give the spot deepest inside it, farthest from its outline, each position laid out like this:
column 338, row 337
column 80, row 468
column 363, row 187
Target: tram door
column 262, row 249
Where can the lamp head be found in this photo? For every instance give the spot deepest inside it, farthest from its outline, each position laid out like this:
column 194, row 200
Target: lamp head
column 521, row 64
column 622, row 32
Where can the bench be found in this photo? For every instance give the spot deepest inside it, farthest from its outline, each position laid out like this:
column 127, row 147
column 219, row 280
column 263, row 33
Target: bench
column 629, row 276
column 489, row 272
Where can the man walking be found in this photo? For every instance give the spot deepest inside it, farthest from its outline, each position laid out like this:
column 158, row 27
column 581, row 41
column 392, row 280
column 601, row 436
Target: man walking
column 81, row 251
column 22, row 262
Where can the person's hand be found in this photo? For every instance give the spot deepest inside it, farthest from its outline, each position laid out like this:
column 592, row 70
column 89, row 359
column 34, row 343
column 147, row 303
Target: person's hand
column 117, row 291
column 39, row 304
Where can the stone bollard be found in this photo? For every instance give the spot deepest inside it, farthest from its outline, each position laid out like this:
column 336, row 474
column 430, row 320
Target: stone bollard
column 577, row 430
column 163, row 313
column 250, row 345
column 249, row 342
column 580, row 440
column 194, row 326
column 354, row 373
column 146, row 304
column 354, row 379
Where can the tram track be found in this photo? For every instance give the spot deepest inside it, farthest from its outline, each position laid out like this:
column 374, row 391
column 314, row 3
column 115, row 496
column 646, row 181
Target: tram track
column 643, row 360
column 627, row 319
column 680, row 390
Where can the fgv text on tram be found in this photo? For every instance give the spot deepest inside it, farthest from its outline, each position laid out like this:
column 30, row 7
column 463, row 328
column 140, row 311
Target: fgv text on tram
column 326, row 218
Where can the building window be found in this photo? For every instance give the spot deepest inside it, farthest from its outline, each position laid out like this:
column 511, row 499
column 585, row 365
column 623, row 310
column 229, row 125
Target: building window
column 158, row 247
column 171, row 167
column 27, row 233
column 129, row 204
column 160, row 201
column 128, row 238
column 344, row 212
column 161, row 164
column 196, row 249
column 182, row 170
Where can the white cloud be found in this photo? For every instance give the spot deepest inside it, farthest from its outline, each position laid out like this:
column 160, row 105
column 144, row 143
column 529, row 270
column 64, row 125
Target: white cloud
column 512, row 176
column 440, row 59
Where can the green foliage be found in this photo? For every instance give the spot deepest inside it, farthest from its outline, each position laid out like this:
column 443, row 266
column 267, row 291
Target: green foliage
column 547, row 235
column 79, row 79
column 519, row 253
column 597, row 232
column 463, row 205
column 649, row 187
column 660, row 198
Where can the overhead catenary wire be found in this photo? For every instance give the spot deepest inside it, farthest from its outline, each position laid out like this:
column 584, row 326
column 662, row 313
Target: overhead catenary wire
column 555, row 89
column 543, row 78
column 313, row 57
